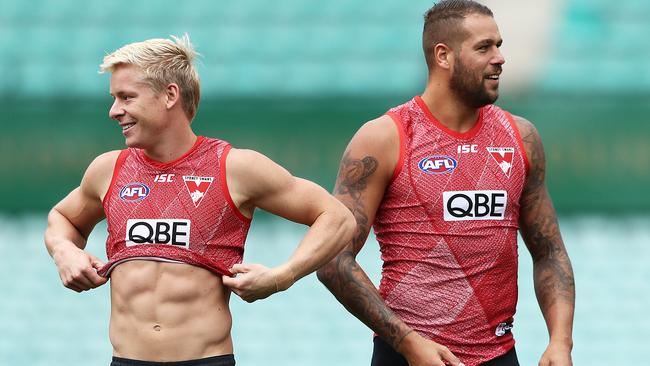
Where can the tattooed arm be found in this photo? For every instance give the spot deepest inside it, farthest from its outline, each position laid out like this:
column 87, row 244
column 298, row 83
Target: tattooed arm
column 365, row 171
column 552, row 272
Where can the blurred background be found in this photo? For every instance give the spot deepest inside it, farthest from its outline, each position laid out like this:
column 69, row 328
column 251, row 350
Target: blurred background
column 294, row 79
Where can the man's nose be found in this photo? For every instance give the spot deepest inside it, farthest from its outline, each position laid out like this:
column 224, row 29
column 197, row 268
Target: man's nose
column 498, row 58
column 116, row 110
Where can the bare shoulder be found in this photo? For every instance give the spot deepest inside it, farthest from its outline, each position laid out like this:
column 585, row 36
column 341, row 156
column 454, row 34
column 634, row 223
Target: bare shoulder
column 525, row 126
column 105, row 161
column 99, row 173
column 83, row 206
column 238, row 156
column 380, row 133
column 531, row 139
column 376, row 144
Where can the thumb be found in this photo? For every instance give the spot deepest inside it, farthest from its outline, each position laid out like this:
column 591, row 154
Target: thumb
column 240, row 268
column 231, row 282
column 96, row 262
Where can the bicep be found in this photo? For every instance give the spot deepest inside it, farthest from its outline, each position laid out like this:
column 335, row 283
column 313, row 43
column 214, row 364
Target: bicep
column 80, row 210
column 295, row 199
column 538, row 219
column 82, row 207
column 256, row 181
column 365, row 170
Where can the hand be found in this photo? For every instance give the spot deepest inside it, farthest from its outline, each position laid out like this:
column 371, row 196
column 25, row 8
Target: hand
column 420, row 351
column 556, row 354
column 78, row 269
column 252, row 281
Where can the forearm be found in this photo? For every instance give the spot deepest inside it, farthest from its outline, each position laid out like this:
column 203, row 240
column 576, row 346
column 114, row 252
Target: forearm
column 352, row 288
column 61, row 234
column 552, row 271
column 324, row 240
column 555, row 291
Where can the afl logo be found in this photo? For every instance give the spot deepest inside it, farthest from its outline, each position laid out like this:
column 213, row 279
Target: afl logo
column 438, row 164
column 134, row 192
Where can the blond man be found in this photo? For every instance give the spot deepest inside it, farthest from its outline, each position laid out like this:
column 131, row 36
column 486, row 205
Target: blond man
column 178, row 208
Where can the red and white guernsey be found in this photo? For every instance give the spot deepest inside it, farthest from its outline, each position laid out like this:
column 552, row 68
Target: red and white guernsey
column 447, row 229
column 180, row 211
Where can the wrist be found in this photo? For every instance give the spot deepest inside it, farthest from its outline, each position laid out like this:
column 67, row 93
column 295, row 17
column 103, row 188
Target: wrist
column 284, row 277
column 59, row 251
column 562, row 341
column 406, row 341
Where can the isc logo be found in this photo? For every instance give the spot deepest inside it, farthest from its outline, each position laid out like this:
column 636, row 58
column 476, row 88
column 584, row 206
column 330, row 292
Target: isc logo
column 134, row 192
column 464, row 149
column 164, row 178
column 474, row 205
column 143, row 231
column 437, row 164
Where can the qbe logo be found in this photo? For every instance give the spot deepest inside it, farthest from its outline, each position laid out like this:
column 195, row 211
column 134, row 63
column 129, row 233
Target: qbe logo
column 134, row 192
column 437, row 164
column 143, row 231
column 474, row 205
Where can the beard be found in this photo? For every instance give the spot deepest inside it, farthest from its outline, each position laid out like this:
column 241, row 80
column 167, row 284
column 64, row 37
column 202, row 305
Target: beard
column 470, row 90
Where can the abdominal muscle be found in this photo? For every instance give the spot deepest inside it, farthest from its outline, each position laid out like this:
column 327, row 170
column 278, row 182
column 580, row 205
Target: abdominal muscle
column 168, row 312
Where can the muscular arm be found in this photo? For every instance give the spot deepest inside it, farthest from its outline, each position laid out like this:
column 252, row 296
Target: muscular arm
column 71, row 221
column 552, row 272
column 343, row 276
column 256, row 181
column 365, row 171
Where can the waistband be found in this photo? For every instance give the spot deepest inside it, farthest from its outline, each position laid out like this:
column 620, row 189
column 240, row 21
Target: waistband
column 223, row 360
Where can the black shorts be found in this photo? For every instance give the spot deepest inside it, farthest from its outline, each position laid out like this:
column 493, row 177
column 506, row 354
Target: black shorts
column 224, row 360
column 384, row 355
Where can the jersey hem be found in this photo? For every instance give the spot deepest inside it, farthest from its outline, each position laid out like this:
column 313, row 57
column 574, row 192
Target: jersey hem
column 191, row 259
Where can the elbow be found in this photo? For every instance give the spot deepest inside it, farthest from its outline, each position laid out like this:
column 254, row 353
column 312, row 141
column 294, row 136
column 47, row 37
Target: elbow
column 48, row 237
column 348, row 225
column 326, row 273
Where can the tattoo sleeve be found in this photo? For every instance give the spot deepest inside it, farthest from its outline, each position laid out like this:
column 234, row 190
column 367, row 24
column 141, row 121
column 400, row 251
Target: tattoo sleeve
column 553, row 274
column 343, row 276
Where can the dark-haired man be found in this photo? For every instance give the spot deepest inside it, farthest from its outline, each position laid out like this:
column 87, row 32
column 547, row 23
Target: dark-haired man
column 446, row 180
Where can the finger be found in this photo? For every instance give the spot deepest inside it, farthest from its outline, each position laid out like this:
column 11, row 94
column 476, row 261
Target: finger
column 249, row 299
column 96, row 262
column 90, row 277
column 95, row 278
column 240, row 268
column 448, row 356
column 72, row 287
column 238, row 293
column 229, row 282
column 80, row 281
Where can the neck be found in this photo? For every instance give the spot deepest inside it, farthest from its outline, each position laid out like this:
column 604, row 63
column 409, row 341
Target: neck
column 172, row 144
column 448, row 108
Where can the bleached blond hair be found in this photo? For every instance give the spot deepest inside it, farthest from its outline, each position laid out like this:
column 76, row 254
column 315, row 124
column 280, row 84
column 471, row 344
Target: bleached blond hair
column 162, row 62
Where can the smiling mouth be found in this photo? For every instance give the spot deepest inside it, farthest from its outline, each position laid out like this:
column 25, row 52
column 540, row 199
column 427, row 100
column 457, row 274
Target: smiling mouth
column 493, row 77
column 127, row 126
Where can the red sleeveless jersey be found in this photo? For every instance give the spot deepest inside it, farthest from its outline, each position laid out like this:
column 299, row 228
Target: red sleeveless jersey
column 180, row 211
column 447, row 229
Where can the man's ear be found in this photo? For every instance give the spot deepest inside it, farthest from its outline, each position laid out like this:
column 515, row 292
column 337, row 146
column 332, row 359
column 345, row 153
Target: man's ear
column 443, row 56
column 172, row 95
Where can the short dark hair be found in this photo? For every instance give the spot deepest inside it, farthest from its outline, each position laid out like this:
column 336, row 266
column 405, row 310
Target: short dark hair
column 443, row 24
